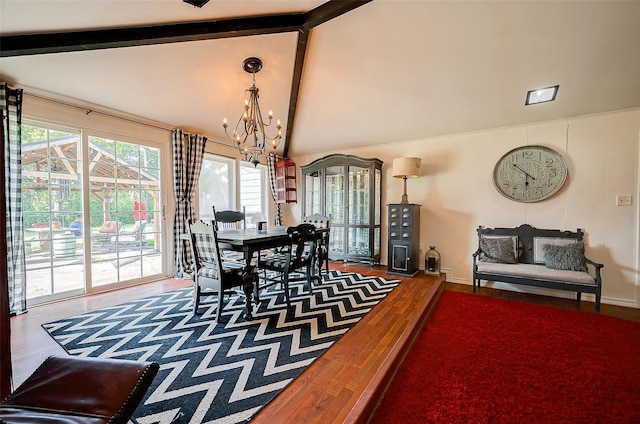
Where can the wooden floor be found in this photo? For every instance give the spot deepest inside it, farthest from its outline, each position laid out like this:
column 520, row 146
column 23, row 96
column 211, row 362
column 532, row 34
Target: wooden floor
column 344, row 384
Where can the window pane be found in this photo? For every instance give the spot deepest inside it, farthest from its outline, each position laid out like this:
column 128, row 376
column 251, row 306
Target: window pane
column 253, row 186
column 216, row 185
column 125, row 211
column 51, row 202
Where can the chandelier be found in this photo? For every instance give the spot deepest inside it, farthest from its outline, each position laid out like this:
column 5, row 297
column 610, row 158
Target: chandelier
column 249, row 134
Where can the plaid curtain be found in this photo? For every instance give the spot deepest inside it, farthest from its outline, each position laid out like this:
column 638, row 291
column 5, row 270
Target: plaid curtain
column 188, row 150
column 271, row 166
column 11, row 104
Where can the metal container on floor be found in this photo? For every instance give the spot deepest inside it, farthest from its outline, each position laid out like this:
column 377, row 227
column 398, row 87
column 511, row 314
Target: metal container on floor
column 64, row 245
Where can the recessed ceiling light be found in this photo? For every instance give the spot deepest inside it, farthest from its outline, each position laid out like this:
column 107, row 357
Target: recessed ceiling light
column 541, row 95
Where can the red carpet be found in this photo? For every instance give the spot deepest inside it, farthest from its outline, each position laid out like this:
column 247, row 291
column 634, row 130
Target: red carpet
column 486, row 360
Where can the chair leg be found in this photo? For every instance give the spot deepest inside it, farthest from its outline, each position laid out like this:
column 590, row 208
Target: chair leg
column 326, row 261
column 256, row 289
column 285, row 280
column 220, row 304
column 310, row 278
column 196, row 298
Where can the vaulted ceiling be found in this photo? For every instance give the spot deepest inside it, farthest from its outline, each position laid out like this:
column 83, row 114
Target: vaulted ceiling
column 337, row 74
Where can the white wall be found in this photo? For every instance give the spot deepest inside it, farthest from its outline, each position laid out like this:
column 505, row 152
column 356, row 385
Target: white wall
column 457, row 193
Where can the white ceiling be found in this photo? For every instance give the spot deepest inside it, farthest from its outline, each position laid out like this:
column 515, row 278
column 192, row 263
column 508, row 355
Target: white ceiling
column 387, row 71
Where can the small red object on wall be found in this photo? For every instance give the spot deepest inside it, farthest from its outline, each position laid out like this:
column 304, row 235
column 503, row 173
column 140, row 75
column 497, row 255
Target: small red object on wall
column 286, row 181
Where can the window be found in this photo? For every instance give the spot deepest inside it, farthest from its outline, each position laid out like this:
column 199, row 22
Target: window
column 253, row 192
column 218, row 187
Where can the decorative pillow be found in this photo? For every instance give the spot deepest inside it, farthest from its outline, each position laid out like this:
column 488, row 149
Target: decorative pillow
column 540, row 242
column 500, row 249
column 568, row 258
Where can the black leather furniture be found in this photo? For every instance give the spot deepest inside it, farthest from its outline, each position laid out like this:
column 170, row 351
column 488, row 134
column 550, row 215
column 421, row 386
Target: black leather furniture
column 75, row 390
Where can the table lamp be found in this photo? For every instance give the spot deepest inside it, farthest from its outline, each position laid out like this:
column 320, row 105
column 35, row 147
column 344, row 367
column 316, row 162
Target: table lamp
column 406, row 168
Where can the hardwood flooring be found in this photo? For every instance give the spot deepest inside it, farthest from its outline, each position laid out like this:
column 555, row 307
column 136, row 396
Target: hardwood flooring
column 343, row 385
column 31, row 345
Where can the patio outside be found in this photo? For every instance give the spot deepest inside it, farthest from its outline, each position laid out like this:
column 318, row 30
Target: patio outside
column 119, row 184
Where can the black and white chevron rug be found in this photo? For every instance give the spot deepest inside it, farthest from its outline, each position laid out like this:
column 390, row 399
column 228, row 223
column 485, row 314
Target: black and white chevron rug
column 222, row 373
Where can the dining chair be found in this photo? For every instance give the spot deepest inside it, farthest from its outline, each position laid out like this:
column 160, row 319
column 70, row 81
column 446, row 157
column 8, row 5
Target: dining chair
column 322, row 247
column 211, row 276
column 230, row 220
column 298, row 253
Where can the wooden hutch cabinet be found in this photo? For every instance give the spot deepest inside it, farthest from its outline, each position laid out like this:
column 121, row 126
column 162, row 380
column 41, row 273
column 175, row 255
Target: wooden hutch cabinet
column 347, row 189
column 404, row 239
column 286, row 181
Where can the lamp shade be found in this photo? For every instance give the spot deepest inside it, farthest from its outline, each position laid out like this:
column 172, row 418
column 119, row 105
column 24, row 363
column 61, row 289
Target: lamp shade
column 406, row 167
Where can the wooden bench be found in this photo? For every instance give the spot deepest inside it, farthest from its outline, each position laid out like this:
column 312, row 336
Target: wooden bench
column 519, row 256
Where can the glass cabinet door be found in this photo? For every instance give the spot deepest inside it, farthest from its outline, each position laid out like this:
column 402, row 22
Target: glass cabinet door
column 313, row 193
column 358, row 217
column 377, row 218
column 358, row 196
column 335, row 207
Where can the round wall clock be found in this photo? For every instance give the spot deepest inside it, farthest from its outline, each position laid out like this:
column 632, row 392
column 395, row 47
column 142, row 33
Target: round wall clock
column 530, row 173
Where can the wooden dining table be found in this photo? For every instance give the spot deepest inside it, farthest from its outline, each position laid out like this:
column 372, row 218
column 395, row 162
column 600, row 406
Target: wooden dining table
column 250, row 241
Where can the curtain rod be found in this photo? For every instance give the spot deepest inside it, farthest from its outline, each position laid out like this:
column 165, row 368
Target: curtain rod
column 89, row 110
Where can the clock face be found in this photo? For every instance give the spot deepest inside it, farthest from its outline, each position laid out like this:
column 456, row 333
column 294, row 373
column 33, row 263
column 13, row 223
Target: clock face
column 530, row 173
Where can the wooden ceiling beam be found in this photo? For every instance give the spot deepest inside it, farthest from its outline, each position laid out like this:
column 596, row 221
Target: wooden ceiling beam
column 329, row 10
column 59, row 42
column 298, row 65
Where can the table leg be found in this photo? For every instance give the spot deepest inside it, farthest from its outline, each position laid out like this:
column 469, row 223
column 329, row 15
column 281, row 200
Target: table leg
column 247, row 287
column 250, row 278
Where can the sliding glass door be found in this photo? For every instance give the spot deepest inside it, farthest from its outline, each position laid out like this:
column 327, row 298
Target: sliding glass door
column 91, row 210
column 52, row 198
column 125, row 210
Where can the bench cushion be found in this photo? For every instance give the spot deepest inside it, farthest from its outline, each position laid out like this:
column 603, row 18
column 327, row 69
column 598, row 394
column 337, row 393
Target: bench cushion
column 110, row 227
column 537, row 272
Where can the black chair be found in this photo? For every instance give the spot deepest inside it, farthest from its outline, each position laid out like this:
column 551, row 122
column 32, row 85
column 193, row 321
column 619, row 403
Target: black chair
column 230, row 220
column 211, row 275
column 73, row 389
column 297, row 254
column 322, row 244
